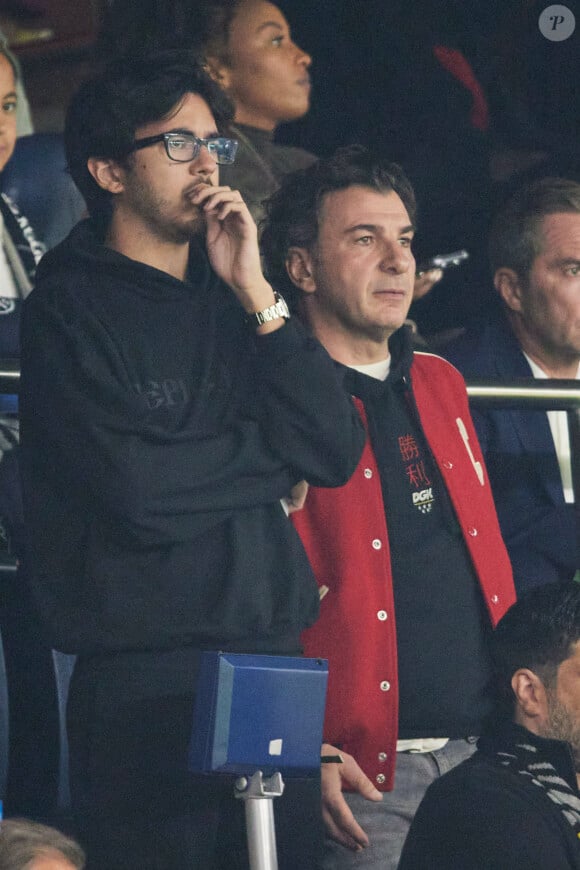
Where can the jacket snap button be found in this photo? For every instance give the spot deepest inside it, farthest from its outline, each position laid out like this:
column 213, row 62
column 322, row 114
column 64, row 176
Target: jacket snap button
column 381, row 778
column 377, row 544
column 385, row 686
column 368, row 473
column 382, row 756
column 382, row 615
column 473, row 533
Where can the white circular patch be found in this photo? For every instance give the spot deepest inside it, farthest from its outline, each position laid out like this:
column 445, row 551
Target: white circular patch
column 557, row 23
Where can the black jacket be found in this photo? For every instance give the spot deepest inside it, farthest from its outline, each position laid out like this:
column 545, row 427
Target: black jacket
column 158, row 437
column 493, row 812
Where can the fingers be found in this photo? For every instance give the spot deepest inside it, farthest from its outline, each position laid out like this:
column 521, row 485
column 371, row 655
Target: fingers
column 339, row 821
column 219, row 201
column 341, row 826
column 232, row 246
column 351, row 774
column 297, row 496
column 425, row 281
column 357, row 780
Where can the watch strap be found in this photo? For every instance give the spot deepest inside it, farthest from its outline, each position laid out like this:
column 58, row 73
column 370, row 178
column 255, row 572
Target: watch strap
column 273, row 312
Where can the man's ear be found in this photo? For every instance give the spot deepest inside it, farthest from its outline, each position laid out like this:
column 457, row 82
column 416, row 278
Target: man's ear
column 218, row 71
column 299, row 268
column 107, row 173
column 531, row 698
column 507, row 284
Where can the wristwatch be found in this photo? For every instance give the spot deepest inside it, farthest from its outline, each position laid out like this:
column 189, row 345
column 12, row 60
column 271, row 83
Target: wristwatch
column 273, row 312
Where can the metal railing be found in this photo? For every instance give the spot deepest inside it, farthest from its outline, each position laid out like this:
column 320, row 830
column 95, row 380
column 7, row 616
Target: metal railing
column 524, row 394
column 538, row 395
column 9, row 375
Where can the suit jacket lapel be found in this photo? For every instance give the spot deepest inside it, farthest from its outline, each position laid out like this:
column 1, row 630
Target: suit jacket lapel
column 532, row 427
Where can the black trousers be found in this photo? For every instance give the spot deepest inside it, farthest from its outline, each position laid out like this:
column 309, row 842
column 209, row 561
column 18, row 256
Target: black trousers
column 136, row 805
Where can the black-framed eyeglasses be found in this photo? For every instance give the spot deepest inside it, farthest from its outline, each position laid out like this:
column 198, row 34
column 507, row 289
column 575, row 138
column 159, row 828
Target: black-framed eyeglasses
column 185, row 147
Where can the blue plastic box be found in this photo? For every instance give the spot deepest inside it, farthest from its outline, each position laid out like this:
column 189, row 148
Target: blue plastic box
column 256, row 712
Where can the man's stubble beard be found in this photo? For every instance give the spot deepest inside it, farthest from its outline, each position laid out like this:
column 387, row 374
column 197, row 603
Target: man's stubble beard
column 563, row 726
column 157, row 213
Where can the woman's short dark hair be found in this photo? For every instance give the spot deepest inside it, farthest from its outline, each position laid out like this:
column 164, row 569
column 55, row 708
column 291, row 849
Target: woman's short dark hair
column 21, row 841
column 292, row 213
column 537, row 632
column 107, row 110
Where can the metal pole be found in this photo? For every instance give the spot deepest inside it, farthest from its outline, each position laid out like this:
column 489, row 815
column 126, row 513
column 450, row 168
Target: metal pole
column 261, row 834
column 258, row 793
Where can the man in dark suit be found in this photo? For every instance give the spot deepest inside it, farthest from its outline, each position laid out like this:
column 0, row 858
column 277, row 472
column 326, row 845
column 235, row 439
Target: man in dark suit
column 535, row 259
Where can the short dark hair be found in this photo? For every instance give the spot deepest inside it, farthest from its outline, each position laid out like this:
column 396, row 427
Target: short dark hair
column 293, row 212
column 105, row 113
column 140, row 26
column 21, row 841
column 516, row 237
column 537, row 632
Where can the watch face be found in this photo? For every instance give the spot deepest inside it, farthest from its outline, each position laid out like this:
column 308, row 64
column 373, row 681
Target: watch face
column 282, row 306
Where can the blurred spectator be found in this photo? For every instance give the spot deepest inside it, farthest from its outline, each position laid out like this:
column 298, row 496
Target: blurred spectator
column 535, row 258
column 23, row 118
column 26, row 845
column 20, row 250
column 32, row 170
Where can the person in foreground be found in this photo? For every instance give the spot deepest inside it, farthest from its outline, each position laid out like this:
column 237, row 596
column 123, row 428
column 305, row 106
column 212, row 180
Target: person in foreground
column 27, row 845
column 170, row 414
column 534, row 251
column 515, row 805
column 413, row 535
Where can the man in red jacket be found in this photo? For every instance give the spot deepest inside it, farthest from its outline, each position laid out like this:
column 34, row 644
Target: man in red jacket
column 413, row 533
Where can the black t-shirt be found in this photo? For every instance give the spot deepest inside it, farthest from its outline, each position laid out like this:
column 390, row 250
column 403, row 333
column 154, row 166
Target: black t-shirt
column 441, row 621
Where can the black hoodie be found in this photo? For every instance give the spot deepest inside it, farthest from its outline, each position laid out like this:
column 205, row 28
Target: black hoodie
column 158, row 437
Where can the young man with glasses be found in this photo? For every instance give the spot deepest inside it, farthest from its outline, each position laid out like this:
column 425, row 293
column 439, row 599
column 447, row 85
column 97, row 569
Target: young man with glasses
column 168, row 409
